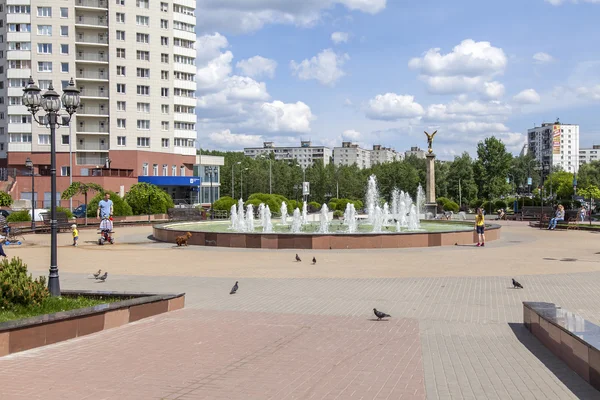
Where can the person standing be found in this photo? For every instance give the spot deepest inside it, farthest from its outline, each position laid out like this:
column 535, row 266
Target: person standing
column 75, row 234
column 582, row 213
column 105, row 207
column 480, row 227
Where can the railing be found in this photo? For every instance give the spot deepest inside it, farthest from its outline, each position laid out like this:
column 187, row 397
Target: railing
column 91, row 57
column 97, row 21
column 90, row 160
column 92, row 128
column 92, row 146
column 92, row 75
column 91, row 39
column 112, row 172
column 92, row 3
column 92, row 110
column 93, row 93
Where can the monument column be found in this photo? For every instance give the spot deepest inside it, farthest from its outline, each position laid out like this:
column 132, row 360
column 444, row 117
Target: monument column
column 430, row 203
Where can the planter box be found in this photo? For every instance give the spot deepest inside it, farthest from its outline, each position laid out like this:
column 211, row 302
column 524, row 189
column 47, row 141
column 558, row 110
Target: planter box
column 29, row 333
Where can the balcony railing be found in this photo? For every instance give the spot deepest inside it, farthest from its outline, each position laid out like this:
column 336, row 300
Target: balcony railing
column 92, row 3
column 94, row 93
column 92, row 110
column 92, row 74
column 92, row 146
column 91, row 39
column 96, row 21
column 92, row 57
column 92, row 129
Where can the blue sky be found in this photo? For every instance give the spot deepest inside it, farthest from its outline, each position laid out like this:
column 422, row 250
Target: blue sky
column 381, row 72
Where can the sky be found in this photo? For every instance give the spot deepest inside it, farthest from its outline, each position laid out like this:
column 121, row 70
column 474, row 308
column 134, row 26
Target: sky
column 384, row 71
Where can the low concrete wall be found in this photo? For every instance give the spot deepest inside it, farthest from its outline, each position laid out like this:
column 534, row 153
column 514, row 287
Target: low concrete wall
column 326, row 241
column 29, row 333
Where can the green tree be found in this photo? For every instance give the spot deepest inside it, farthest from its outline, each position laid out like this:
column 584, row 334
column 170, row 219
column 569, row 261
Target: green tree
column 561, row 183
column 589, row 174
column 523, row 167
column 81, row 188
column 5, row 199
column 145, row 198
column 120, row 206
column 589, row 192
column 461, row 179
column 491, row 168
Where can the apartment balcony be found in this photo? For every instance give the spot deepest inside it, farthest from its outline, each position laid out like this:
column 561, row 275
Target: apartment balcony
column 99, row 40
column 95, row 58
column 18, row 55
column 92, row 111
column 92, row 146
column 19, row 147
column 92, row 75
column 85, row 158
column 91, row 93
column 96, row 4
column 91, row 22
column 93, row 129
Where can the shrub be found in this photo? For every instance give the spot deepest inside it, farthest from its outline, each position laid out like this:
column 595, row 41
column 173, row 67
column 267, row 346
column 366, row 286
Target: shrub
column 338, row 214
column 273, row 201
column 313, row 206
column 66, row 211
column 120, row 206
column 476, row 203
column 501, row 204
column 224, row 203
column 5, row 199
column 18, row 288
column 145, row 198
column 19, row 216
column 447, row 204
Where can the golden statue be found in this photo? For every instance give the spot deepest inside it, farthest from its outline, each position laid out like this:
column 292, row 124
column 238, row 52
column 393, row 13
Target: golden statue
column 430, row 140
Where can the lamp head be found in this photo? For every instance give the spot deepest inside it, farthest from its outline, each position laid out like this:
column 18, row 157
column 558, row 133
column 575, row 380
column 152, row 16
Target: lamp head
column 31, row 96
column 70, row 98
column 29, row 163
column 51, row 100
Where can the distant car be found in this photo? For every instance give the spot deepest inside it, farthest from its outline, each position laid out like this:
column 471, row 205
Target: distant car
column 80, row 211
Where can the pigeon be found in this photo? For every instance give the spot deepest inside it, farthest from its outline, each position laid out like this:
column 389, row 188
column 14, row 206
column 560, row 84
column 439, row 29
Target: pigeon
column 298, row 258
column 380, row 314
column 97, row 274
column 234, row 288
column 103, row 277
column 314, row 260
column 516, row 285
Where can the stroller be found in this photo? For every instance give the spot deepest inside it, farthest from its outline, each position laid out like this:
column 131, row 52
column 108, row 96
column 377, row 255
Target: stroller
column 106, row 227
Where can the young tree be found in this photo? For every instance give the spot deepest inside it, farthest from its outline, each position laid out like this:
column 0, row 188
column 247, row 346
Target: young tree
column 145, row 198
column 491, row 168
column 78, row 188
column 561, row 183
column 461, row 179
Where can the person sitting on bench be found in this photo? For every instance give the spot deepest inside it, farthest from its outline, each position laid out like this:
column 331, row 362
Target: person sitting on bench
column 560, row 216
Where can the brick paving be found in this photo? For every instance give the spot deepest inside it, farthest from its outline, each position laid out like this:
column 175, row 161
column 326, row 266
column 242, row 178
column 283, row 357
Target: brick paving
column 296, row 331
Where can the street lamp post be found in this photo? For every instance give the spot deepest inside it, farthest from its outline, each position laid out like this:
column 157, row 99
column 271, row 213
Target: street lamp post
column 29, row 164
column 242, row 182
column 270, row 174
column 51, row 103
column 232, row 180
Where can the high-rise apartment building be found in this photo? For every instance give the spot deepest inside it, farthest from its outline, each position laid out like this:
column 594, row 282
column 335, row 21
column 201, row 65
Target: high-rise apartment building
column 588, row 155
column 306, row 155
column 134, row 62
column 555, row 145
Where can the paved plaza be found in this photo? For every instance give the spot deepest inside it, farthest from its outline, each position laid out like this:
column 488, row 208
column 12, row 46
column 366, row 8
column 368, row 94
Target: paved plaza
column 301, row 331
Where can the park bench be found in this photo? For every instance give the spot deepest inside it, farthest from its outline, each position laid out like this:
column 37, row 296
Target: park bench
column 61, row 219
column 572, row 338
column 184, row 214
column 535, row 212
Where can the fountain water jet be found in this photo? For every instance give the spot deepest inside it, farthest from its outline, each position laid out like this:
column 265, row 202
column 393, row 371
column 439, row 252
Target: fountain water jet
column 284, row 213
column 304, row 213
column 372, row 198
column 267, row 226
column 296, row 221
column 250, row 218
column 350, row 218
column 324, row 219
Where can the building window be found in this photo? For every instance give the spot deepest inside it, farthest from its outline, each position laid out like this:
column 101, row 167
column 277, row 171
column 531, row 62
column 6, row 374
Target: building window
column 64, row 12
column 155, row 169
column 121, row 88
column 165, row 170
column 65, row 171
column 164, row 92
column 142, row 20
column 143, row 142
column 44, row 66
column 121, row 106
column 164, row 24
column 144, row 168
column 164, row 41
column 121, row 140
column 164, row 75
column 143, row 90
column 120, row 70
column 174, row 170
column 64, row 67
column 65, row 139
column 143, row 107
column 143, row 72
column 142, row 38
column 64, row 49
column 164, row 7
column 143, row 55
column 44, row 48
column 165, row 143
column 182, row 171
column 164, row 58
column 142, row 3
column 121, row 18
column 64, row 31
column 143, row 124
column 44, row 30
column 164, row 125
column 120, row 35
column 44, row 139
column 164, row 108
column 44, row 11
column 121, row 123
column 120, row 53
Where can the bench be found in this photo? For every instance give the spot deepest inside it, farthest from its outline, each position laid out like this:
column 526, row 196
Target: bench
column 569, row 336
column 184, row 214
column 534, row 212
column 61, row 220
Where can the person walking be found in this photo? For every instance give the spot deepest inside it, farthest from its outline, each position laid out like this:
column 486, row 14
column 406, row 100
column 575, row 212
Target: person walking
column 480, row 227
column 560, row 216
column 582, row 213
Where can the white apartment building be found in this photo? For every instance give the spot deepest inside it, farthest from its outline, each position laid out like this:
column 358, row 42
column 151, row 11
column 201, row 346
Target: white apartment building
column 415, row 151
column 134, row 62
column 555, row 144
column 350, row 153
column 588, row 155
column 306, row 155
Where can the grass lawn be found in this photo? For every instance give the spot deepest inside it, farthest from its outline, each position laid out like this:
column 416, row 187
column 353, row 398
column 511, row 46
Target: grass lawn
column 52, row 305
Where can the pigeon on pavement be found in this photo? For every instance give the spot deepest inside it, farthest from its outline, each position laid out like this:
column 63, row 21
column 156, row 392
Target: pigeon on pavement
column 516, row 285
column 380, row 314
column 234, row 288
column 298, row 258
column 314, row 260
column 103, row 277
column 97, row 274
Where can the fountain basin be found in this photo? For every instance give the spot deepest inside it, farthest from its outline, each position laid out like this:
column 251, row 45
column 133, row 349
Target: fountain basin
column 438, row 233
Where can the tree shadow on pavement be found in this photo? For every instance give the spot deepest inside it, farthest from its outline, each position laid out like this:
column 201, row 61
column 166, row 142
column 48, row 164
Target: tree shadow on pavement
column 576, row 384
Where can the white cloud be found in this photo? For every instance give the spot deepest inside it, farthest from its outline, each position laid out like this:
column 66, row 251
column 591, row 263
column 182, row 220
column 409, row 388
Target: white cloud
column 392, row 107
column 542, row 58
column 257, row 66
column 459, row 110
column 227, row 140
column 527, row 96
column 294, row 117
column 559, row 2
column 339, row 37
column 470, row 67
column 325, row 67
column 214, row 72
column 351, row 135
column 239, row 16
column 589, row 93
column 478, row 127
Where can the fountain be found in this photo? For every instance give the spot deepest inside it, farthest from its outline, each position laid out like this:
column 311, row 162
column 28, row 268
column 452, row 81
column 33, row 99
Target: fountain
column 249, row 218
column 261, row 214
column 324, row 219
column 284, row 213
column 240, row 218
column 372, row 198
column 413, row 219
column 386, row 215
column 296, row 221
column 421, row 202
column 377, row 219
column 233, row 218
column 267, row 225
column 304, row 213
column 350, row 218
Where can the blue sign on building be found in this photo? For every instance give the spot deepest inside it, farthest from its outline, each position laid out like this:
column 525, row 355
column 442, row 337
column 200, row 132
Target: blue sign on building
column 188, row 181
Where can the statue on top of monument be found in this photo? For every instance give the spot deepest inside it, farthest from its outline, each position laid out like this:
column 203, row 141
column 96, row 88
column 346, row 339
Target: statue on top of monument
column 430, row 140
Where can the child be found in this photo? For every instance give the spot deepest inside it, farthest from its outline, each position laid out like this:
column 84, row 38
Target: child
column 480, row 227
column 75, row 234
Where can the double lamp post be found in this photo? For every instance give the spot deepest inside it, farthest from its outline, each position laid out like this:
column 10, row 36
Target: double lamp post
column 52, row 103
